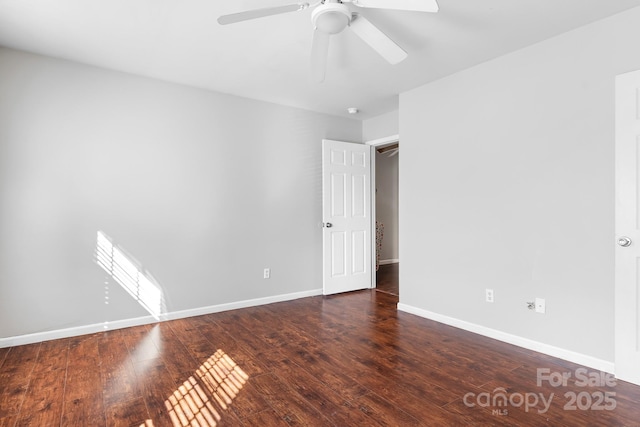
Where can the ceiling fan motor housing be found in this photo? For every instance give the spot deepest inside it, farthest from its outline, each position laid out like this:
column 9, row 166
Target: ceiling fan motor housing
column 331, row 18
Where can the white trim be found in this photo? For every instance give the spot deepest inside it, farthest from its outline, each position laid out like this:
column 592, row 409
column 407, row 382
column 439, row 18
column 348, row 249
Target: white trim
column 572, row 356
column 241, row 304
column 387, row 140
column 392, row 139
column 372, row 219
column 145, row 320
column 388, row 261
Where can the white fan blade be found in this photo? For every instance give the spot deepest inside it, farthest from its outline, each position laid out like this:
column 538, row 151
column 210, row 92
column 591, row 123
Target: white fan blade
column 319, row 53
column 412, row 5
column 260, row 13
column 377, row 40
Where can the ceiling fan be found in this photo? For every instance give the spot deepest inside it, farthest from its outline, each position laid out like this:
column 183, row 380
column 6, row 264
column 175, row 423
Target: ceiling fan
column 331, row 17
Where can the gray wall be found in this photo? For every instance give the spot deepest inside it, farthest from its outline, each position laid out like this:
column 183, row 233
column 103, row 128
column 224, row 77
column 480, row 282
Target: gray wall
column 203, row 189
column 507, row 182
column 380, row 126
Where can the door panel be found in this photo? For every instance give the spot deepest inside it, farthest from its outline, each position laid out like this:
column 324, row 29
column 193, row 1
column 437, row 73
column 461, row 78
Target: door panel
column 346, row 184
column 358, row 240
column 627, row 299
column 339, row 194
column 339, row 248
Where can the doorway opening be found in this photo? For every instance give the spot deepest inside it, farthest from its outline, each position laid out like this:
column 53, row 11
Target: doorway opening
column 385, row 209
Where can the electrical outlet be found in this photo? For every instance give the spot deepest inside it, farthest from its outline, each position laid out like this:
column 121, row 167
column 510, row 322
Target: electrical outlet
column 267, row 273
column 541, row 306
column 489, row 295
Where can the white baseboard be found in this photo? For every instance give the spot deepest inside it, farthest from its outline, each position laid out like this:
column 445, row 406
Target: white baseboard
column 388, row 261
column 561, row 353
column 125, row 323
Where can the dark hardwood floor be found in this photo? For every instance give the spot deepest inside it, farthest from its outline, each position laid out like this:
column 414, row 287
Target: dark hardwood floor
column 387, row 279
column 346, row 360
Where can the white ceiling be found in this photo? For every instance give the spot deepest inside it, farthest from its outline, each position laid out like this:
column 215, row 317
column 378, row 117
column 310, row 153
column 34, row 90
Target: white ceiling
column 268, row 59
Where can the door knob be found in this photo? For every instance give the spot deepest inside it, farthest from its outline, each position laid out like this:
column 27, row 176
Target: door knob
column 624, row 241
column 328, row 225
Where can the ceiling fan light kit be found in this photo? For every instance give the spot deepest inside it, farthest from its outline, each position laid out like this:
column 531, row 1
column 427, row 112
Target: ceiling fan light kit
column 330, row 17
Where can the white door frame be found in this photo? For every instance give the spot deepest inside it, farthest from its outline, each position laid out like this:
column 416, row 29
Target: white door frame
column 375, row 144
column 627, row 281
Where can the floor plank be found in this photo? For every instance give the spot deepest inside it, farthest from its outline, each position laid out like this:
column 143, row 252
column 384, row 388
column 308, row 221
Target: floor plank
column 289, row 405
column 326, row 401
column 15, row 374
column 127, row 413
column 8, row 421
column 119, row 380
column 3, row 354
column 83, row 412
column 42, row 404
column 83, row 394
column 387, row 278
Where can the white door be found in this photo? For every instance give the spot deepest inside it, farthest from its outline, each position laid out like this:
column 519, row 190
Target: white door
column 346, row 214
column 627, row 288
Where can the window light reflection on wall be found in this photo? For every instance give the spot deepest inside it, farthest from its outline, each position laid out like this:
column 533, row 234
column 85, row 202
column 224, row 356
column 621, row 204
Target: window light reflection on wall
column 130, row 275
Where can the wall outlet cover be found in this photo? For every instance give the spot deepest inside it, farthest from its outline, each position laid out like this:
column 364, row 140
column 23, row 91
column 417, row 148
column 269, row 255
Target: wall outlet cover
column 489, row 295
